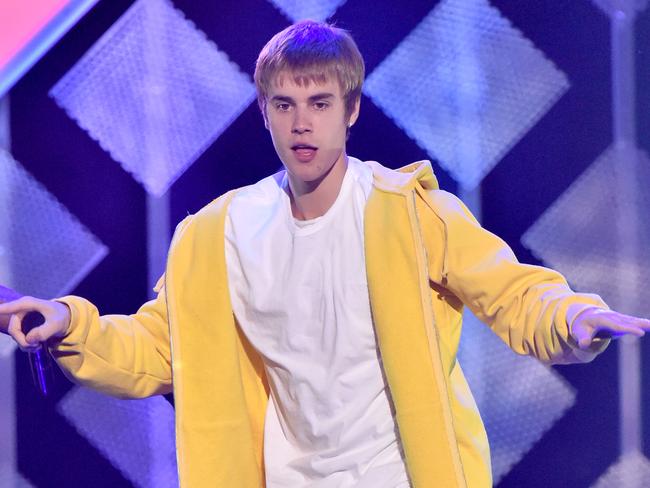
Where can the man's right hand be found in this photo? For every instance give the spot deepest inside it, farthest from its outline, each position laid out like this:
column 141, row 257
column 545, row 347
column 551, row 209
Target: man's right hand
column 13, row 309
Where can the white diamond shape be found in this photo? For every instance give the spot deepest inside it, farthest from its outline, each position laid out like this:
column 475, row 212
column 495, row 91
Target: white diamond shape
column 466, row 86
column 630, row 471
column 47, row 251
column 578, row 234
column 307, row 9
column 154, row 92
column 137, row 436
column 519, row 398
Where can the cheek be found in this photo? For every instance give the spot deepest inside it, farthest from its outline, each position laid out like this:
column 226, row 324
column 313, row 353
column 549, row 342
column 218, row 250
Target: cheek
column 277, row 142
column 275, row 122
column 275, row 130
column 337, row 134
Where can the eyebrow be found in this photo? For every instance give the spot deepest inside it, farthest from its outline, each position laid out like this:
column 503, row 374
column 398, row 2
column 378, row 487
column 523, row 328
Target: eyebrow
column 313, row 98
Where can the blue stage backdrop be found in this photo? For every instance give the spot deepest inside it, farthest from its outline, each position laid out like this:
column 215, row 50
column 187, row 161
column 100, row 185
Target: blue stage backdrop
column 153, row 101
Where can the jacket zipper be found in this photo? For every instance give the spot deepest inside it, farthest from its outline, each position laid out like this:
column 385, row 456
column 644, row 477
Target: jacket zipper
column 434, row 342
column 176, row 382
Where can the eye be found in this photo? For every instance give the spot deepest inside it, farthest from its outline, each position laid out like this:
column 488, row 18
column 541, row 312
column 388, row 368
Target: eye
column 321, row 105
column 282, row 107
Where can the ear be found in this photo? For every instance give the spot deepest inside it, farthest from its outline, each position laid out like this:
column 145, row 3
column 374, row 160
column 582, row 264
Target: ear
column 355, row 113
column 265, row 117
column 261, row 103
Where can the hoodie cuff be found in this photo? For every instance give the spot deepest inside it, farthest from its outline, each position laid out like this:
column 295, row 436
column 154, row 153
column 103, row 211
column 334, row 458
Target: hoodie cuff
column 78, row 328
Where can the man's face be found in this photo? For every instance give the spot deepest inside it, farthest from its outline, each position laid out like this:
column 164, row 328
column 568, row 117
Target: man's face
column 308, row 125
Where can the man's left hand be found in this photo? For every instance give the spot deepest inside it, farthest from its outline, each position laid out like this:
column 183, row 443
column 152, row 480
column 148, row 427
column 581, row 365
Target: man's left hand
column 598, row 322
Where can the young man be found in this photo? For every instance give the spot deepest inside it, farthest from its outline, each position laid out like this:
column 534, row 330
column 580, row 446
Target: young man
column 308, row 324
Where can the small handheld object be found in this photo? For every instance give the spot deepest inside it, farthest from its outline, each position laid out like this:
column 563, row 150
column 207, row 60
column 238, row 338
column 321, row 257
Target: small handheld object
column 40, row 361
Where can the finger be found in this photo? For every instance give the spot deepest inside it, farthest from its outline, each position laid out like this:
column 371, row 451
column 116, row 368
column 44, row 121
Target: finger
column 21, row 305
column 15, row 331
column 638, row 322
column 622, row 318
column 616, row 330
column 4, row 322
column 629, row 332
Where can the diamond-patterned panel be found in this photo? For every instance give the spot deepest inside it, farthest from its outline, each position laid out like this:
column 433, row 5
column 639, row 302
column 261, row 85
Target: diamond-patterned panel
column 9, row 478
column 307, row 9
column 519, row 398
column 154, row 92
column 137, row 436
column 579, row 234
column 7, row 347
column 47, row 249
column 466, row 86
column 630, row 471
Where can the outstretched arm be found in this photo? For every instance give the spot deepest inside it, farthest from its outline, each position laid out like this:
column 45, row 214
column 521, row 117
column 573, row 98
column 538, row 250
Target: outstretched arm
column 531, row 308
column 121, row 355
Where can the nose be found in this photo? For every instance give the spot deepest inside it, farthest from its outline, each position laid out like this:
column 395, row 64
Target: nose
column 301, row 122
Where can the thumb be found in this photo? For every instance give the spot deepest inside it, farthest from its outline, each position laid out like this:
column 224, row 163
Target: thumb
column 35, row 336
column 41, row 333
column 583, row 335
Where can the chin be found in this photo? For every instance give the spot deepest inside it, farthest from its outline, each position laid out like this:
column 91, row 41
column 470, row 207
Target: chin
column 305, row 173
column 307, row 176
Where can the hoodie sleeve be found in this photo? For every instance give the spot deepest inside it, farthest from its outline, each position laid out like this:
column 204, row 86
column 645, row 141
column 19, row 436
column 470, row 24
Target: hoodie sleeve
column 127, row 356
column 531, row 308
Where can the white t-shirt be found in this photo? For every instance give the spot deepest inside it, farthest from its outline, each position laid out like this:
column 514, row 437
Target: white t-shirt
column 299, row 293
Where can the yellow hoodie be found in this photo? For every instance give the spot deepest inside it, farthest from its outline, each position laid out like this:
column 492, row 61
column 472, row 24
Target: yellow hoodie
column 426, row 256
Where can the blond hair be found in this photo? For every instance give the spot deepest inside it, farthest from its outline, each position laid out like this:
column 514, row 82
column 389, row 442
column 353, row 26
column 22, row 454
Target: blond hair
column 312, row 52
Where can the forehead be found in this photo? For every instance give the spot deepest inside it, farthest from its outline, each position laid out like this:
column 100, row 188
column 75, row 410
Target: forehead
column 307, row 83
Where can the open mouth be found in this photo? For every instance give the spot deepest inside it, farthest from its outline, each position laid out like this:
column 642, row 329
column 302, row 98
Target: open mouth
column 304, row 152
column 299, row 147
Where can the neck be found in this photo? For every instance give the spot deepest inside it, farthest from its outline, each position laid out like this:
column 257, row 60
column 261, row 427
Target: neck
column 312, row 199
